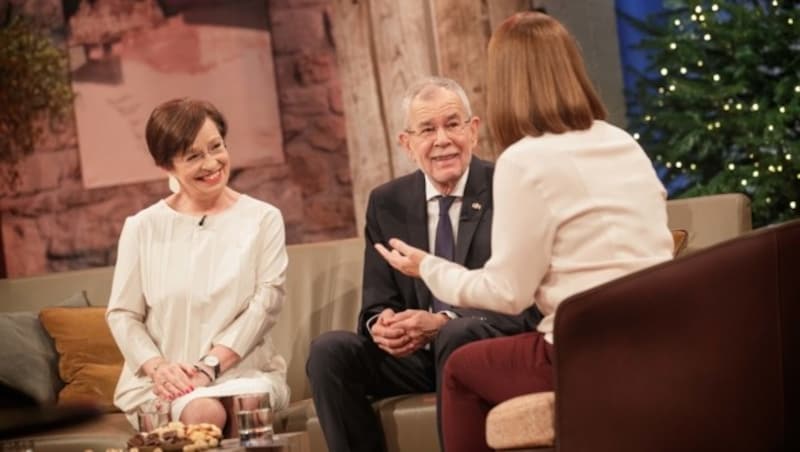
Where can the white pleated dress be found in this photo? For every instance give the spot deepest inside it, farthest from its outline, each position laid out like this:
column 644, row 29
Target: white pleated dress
column 181, row 287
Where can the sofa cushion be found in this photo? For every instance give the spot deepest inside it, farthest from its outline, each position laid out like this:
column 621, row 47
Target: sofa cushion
column 710, row 219
column 28, row 359
column 523, row 421
column 408, row 422
column 89, row 360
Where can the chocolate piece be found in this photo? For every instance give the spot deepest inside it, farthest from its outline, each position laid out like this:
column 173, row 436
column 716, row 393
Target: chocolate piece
column 136, row 440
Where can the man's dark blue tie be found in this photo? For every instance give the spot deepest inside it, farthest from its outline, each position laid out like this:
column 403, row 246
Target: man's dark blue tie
column 445, row 244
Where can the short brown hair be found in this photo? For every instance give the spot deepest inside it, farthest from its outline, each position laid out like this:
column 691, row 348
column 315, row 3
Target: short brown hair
column 173, row 126
column 537, row 82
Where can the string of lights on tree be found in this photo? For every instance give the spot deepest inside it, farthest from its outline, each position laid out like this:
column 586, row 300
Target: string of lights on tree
column 722, row 113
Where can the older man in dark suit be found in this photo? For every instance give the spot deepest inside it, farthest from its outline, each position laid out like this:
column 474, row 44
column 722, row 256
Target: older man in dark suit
column 404, row 333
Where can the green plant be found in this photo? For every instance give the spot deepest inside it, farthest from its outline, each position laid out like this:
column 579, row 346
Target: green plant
column 34, row 86
column 722, row 113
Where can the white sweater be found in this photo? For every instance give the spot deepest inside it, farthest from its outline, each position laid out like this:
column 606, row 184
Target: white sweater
column 571, row 211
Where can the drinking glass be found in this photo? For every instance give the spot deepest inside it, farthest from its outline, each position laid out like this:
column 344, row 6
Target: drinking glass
column 152, row 414
column 253, row 418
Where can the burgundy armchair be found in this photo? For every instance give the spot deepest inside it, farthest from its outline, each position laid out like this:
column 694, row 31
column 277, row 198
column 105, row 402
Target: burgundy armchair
column 699, row 353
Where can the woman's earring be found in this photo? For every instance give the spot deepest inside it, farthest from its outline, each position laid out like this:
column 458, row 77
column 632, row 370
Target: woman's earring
column 174, row 186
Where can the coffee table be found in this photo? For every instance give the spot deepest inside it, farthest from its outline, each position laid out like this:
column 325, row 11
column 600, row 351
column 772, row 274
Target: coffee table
column 283, row 442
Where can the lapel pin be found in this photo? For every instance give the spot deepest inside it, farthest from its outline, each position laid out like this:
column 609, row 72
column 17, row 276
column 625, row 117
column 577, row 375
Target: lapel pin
column 476, row 206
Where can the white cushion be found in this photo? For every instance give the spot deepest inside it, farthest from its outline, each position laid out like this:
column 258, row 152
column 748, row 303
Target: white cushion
column 524, row 421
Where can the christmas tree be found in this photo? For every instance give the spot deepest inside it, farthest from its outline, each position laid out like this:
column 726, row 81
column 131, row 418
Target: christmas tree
column 721, row 111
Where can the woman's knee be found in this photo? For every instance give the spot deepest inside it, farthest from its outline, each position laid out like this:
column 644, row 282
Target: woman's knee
column 205, row 410
column 457, row 363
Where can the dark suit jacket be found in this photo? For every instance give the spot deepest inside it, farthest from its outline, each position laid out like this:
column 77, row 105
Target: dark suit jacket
column 398, row 209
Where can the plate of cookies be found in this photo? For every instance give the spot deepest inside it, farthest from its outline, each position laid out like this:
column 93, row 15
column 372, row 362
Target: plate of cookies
column 177, row 436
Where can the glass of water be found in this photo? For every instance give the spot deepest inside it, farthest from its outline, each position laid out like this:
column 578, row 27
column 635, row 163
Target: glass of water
column 152, row 414
column 253, row 418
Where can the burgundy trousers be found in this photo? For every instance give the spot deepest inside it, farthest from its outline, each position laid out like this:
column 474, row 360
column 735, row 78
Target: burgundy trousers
column 484, row 373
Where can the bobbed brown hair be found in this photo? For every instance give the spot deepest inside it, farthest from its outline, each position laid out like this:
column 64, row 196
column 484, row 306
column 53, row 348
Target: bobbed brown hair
column 173, row 126
column 537, row 82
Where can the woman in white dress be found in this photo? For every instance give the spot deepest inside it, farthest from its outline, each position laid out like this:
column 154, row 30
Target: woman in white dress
column 198, row 282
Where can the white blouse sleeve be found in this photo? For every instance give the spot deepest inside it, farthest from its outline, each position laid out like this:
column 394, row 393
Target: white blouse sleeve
column 127, row 307
column 523, row 231
column 264, row 305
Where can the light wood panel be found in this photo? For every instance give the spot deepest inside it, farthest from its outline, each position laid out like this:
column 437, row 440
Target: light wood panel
column 385, row 45
column 366, row 131
column 403, row 53
column 461, row 33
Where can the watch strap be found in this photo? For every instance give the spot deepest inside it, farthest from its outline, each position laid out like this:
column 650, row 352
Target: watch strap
column 204, row 372
column 215, row 368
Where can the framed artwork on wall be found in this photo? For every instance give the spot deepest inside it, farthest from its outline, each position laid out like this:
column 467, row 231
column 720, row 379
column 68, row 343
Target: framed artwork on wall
column 126, row 57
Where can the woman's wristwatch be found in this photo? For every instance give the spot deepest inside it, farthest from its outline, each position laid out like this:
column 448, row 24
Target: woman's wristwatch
column 212, row 363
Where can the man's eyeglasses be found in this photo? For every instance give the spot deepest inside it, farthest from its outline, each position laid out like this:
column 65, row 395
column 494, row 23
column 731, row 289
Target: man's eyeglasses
column 452, row 128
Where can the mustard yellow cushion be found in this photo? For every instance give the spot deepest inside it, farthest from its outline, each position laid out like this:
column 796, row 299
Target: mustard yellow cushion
column 89, row 361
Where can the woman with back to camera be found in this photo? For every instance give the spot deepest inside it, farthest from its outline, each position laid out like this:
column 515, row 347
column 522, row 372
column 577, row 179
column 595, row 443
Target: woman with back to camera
column 198, row 282
column 577, row 204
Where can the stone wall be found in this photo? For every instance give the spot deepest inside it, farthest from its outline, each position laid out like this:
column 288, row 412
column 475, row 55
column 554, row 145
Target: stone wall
column 50, row 223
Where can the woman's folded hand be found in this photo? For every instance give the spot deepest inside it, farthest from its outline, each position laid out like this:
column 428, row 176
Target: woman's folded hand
column 172, row 380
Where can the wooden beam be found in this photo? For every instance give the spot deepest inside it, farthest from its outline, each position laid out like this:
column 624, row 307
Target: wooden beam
column 404, row 52
column 461, row 31
column 3, row 273
column 367, row 140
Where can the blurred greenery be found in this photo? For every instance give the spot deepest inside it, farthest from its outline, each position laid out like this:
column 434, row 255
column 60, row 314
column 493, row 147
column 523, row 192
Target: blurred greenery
column 722, row 112
column 34, row 85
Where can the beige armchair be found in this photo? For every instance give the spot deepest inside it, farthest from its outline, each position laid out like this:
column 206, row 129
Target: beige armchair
column 710, row 219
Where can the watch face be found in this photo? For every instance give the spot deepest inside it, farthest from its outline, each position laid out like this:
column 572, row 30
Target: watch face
column 210, row 360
